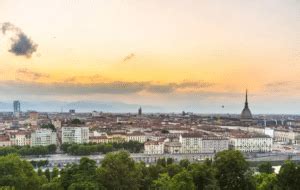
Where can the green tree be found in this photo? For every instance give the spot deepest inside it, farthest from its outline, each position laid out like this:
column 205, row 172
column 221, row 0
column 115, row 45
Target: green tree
column 232, row 171
column 119, row 171
column 163, row 182
column 48, row 174
column 18, row 173
column 184, row 163
column 266, row 181
column 182, row 181
column 170, row 161
column 203, row 176
column 265, row 167
column 289, row 175
column 55, row 172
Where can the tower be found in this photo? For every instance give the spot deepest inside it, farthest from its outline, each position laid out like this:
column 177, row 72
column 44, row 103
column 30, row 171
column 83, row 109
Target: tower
column 17, row 108
column 140, row 111
column 246, row 113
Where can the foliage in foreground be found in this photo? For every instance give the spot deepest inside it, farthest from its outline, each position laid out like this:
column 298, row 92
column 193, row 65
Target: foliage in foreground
column 118, row 171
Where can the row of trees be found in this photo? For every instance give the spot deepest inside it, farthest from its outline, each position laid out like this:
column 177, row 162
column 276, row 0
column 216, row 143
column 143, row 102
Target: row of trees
column 228, row 171
column 27, row 150
column 87, row 149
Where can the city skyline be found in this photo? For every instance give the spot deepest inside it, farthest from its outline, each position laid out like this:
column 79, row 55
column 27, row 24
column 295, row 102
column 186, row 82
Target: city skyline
column 194, row 56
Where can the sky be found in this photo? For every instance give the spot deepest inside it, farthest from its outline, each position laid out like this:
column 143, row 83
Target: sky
column 192, row 55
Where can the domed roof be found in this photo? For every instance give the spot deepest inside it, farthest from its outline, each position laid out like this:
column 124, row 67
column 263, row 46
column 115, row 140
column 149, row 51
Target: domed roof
column 246, row 113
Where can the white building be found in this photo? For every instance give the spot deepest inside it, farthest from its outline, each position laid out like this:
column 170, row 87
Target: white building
column 136, row 136
column 191, row 142
column 251, row 142
column 284, row 135
column 43, row 137
column 154, row 147
column 213, row 144
column 75, row 134
column 172, row 147
column 20, row 138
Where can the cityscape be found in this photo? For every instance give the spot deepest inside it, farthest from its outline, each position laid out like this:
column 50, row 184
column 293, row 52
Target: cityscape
column 149, row 95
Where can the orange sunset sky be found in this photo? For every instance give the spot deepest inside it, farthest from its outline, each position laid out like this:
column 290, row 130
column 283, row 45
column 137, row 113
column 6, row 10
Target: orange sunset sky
column 193, row 55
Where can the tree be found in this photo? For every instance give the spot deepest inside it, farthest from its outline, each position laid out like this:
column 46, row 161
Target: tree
column 289, row 175
column 163, row 182
column 48, row 126
column 170, row 161
column 173, row 169
column 161, row 162
column 182, row 181
column 204, row 176
column 39, row 172
column 48, row 174
column 76, row 122
column 184, row 163
column 51, row 148
column 55, row 172
column 82, row 176
column 119, row 171
column 18, row 173
column 265, row 167
column 232, row 171
column 266, row 181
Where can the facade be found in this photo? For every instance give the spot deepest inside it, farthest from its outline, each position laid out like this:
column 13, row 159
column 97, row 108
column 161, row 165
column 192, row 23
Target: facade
column 251, row 143
column 136, row 136
column 4, row 141
column 287, row 136
column 43, row 137
column 213, row 144
column 17, row 108
column 191, row 142
column 172, row 147
column 20, row 138
column 154, row 147
column 75, row 134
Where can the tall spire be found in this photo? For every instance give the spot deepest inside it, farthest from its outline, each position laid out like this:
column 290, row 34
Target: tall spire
column 246, row 102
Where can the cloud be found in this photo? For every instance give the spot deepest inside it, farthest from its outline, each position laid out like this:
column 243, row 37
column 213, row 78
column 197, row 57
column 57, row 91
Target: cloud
column 63, row 88
column 283, row 87
column 21, row 45
column 26, row 73
column 129, row 57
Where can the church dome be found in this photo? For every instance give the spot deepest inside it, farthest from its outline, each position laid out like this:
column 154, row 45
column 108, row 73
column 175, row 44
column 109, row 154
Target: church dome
column 246, row 113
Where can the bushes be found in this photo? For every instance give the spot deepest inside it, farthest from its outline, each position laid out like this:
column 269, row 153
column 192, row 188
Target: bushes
column 27, row 150
column 87, row 149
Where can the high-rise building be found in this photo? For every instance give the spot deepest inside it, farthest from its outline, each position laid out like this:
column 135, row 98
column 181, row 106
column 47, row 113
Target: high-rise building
column 75, row 134
column 43, row 137
column 17, row 108
column 140, row 111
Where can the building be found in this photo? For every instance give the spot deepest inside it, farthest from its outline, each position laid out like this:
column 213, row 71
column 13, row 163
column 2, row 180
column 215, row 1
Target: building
column 172, row 147
column 140, row 111
column 246, row 114
column 4, row 140
column 136, row 136
column 72, row 111
column 43, row 137
column 250, row 142
column 214, row 144
column 191, row 142
column 75, row 134
column 154, row 147
column 20, row 138
column 17, row 108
